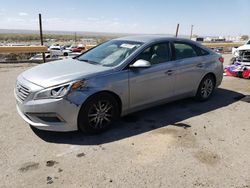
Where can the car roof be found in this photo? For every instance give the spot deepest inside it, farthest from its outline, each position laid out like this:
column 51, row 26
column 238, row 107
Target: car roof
column 151, row 38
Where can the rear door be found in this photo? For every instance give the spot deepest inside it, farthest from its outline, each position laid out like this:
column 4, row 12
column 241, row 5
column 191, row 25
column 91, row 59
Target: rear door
column 189, row 65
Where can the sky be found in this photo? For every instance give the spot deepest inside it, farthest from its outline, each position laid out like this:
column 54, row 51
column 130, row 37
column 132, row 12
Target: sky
column 209, row 17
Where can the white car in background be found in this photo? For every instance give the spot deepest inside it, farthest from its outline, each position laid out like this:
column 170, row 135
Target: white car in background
column 70, row 47
column 242, row 54
column 57, row 50
column 71, row 55
column 48, row 57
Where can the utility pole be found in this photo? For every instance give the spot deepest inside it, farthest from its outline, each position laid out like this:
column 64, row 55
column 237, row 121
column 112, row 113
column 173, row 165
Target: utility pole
column 41, row 34
column 191, row 34
column 75, row 37
column 177, row 30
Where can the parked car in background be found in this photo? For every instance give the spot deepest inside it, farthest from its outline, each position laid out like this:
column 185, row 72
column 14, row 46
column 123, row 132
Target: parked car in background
column 116, row 78
column 78, row 49
column 243, row 57
column 235, row 50
column 218, row 50
column 72, row 55
column 70, row 47
column 11, row 58
column 242, row 54
column 39, row 57
column 66, row 47
column 57, row 50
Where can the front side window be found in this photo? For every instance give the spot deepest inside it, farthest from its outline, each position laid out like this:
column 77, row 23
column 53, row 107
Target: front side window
column 110, row 53
column 158, row 53
column 184, row 50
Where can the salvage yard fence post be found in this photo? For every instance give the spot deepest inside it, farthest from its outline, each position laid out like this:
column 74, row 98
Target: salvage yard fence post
column 177, row 30
column 41, row 34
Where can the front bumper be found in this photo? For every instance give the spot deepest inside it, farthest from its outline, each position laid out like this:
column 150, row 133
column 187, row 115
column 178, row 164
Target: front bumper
column 49, row 114
column 245, row 63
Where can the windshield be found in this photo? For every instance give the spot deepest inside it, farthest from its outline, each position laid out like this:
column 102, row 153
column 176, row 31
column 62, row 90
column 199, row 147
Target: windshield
column 248, row 42
column 110, row 53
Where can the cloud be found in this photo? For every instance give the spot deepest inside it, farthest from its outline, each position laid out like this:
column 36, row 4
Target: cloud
column 23, row 14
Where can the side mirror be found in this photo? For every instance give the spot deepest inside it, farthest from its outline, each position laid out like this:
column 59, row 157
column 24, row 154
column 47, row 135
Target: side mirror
column 140, row 64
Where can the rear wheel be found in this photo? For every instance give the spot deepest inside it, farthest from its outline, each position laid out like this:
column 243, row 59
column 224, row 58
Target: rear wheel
column 98, row 113
column 206, row 88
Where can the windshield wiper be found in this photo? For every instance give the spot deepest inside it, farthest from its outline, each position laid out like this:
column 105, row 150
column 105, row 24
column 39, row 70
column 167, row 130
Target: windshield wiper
column 88, row 61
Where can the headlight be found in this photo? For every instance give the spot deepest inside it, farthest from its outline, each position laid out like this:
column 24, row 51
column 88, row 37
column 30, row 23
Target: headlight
column 59, row 91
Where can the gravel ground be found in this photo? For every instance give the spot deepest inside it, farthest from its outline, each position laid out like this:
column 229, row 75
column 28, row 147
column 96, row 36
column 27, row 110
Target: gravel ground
column 181, row 144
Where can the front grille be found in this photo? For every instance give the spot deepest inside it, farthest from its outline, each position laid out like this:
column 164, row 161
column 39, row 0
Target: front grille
column 22, row 92
column 244, row 56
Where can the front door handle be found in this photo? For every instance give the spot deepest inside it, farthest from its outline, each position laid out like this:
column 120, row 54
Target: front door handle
column 169, row 72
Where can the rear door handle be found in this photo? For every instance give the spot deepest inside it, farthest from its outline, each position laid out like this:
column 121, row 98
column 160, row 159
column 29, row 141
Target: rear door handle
column 200, row 65
column 169, row 72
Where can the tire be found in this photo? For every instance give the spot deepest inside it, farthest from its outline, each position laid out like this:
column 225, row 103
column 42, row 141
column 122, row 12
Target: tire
column 232, row 60
column 98, row 113
column 206, row 88
column 65, row 54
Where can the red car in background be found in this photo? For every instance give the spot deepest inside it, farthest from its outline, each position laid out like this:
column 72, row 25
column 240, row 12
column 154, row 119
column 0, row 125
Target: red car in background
column 78, row 49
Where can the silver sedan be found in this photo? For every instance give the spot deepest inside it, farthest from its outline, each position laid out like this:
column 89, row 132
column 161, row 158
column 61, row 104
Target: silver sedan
column 121, row 76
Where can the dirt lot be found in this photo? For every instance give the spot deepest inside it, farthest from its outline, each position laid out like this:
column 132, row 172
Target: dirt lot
column 181, row 144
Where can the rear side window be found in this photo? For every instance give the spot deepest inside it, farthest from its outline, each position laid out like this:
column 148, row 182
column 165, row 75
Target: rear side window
column 201, row 52
column 184, row 50
column 157, row 53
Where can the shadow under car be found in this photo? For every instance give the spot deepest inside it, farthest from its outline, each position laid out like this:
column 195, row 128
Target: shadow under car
column 143, row 121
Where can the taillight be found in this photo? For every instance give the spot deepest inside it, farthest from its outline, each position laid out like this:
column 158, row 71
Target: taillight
column 221, row 59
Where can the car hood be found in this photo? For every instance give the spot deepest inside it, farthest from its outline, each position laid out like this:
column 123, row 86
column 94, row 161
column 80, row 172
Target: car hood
column 59, row 72
column 244, row 47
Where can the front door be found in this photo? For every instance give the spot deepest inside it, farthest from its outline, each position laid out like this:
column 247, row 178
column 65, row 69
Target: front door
column 155, row 83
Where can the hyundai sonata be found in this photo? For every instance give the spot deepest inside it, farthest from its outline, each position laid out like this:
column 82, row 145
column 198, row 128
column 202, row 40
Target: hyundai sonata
column 114, row 79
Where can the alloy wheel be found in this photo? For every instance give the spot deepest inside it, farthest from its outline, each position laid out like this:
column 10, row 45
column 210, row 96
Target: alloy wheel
column 100, row 114
column 207, row 88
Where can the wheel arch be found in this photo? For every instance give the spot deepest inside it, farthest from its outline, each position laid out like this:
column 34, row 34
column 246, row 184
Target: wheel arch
column 209, row 73
column 213, row 75
column 114, row 95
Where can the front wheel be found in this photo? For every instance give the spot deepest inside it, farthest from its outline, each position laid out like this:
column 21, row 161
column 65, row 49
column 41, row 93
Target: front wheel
column 206, row 88
column 98, row 113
